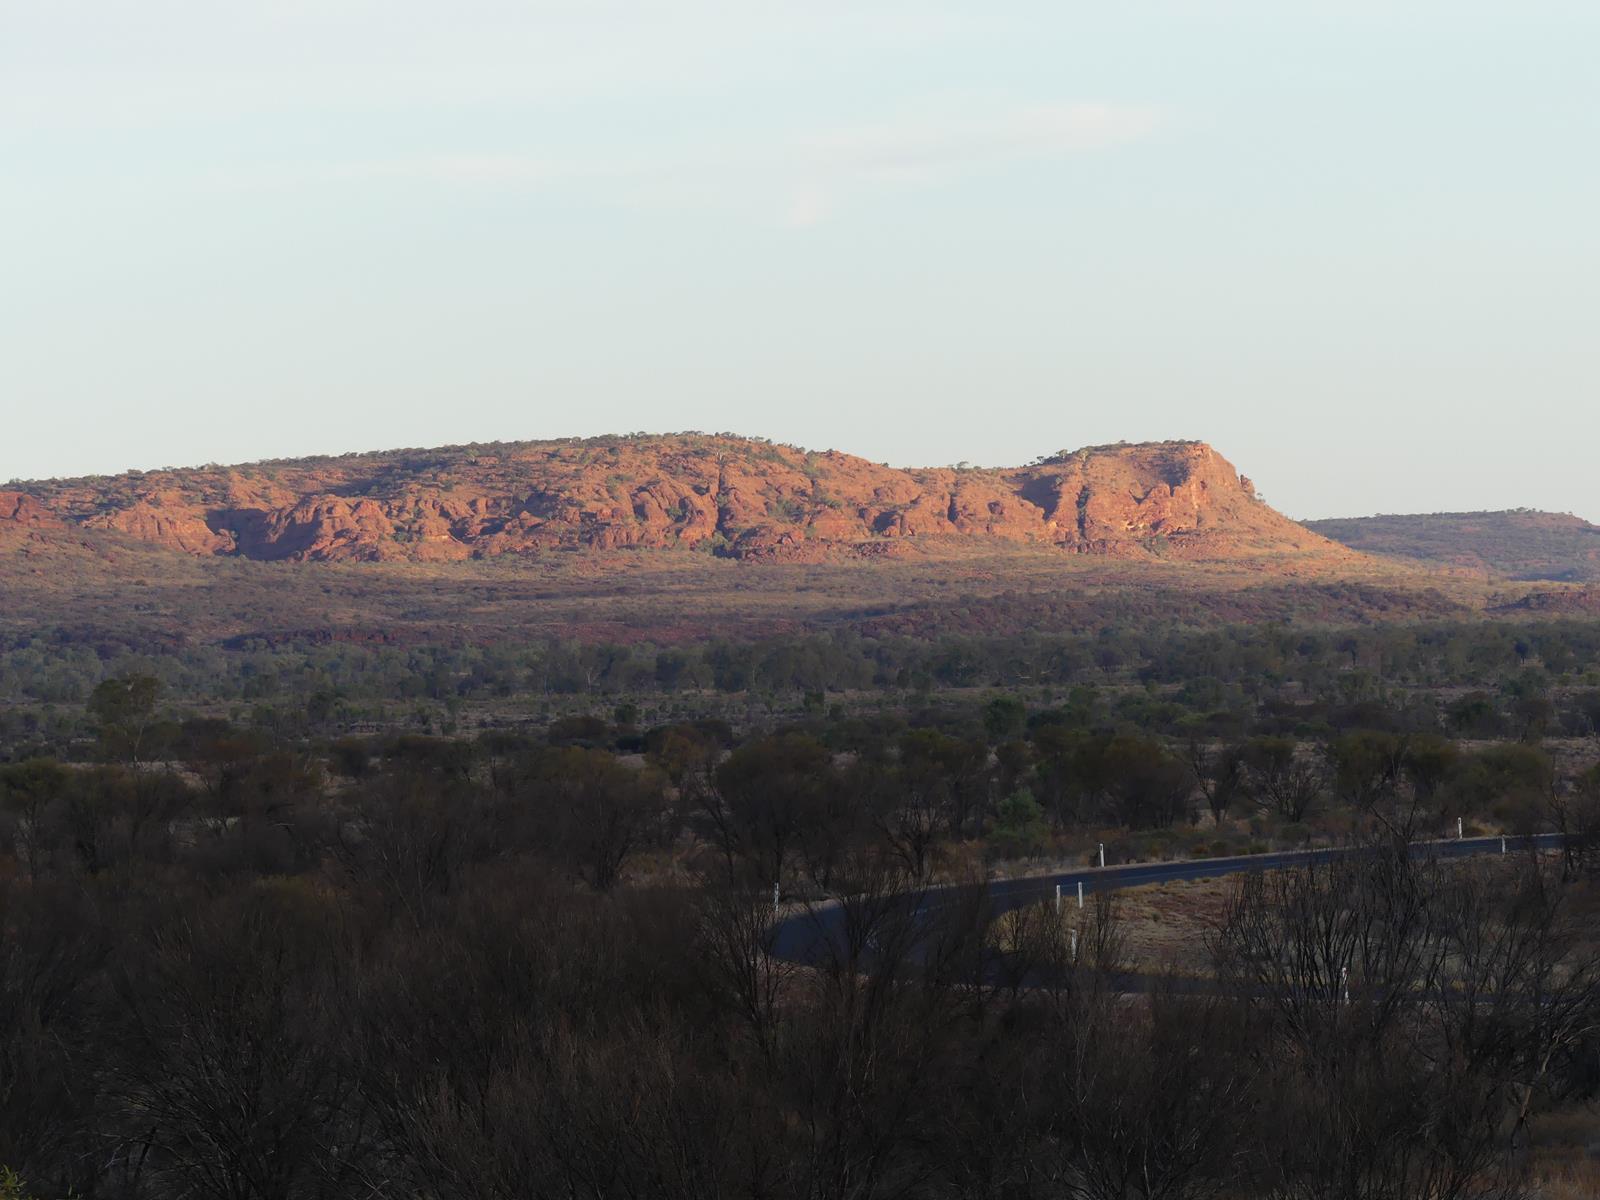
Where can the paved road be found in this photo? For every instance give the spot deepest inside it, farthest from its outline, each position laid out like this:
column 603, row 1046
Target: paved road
column 817, row 934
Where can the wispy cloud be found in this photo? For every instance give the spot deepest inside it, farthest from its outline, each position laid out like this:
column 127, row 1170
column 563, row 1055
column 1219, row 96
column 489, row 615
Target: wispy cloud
column 924, row 147
column 926, row 151
column 797, row 180
column 454, row 168
column 153, row 66
column 487, row 170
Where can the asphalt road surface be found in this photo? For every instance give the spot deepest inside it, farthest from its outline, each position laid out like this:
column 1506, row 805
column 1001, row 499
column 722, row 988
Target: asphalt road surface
column 817, row 933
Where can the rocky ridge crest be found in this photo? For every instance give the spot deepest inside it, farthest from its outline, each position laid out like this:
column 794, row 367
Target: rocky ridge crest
column 735, row 497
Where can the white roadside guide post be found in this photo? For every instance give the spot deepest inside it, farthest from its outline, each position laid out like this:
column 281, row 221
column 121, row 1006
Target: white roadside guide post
column 1080, row 893
column 1502, row 843
column 1074, row 945
column 1102, row 854
column 1460, row 833
column 1058, row 897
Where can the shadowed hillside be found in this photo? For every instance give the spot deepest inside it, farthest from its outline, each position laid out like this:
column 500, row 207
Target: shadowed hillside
column 1520, row 544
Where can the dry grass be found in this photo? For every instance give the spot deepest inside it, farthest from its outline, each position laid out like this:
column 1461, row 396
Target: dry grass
column 1572, row 1181
column 1169, row 925
column 1566, row 1154
column 665, row 596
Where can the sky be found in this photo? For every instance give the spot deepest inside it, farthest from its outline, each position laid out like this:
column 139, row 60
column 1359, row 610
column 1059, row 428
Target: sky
column 1354, row 245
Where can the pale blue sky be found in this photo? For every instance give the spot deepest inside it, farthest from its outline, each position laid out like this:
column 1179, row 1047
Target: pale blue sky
column 1355, row 245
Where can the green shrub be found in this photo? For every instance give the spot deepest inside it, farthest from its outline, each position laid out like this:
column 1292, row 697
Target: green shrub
column 1019, row 823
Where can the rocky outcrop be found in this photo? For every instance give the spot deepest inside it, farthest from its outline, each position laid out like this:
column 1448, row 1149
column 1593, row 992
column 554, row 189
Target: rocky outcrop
column 734, row 497
column 18, row 510
column 1183, row 497
column 26, row 523
column 168, row 519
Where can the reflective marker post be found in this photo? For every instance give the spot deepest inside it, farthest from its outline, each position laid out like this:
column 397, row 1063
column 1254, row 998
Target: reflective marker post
column 1102, row 854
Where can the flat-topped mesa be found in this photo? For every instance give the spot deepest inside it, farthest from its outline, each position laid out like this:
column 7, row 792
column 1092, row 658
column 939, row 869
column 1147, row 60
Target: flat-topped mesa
column 736, row 497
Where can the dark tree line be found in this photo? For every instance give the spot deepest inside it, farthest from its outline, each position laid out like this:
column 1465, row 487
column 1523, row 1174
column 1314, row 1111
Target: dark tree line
column 1513, row 664
column 433, row 974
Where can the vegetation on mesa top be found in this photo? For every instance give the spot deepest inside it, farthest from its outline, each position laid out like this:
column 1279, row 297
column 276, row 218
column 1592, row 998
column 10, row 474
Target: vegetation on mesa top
column 422, row 456
column 415, row 457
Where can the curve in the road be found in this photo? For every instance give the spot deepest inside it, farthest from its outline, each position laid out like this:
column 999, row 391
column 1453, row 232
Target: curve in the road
column 816, row 934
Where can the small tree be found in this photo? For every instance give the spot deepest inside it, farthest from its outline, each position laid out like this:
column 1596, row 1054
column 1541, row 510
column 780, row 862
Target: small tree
column 604, row 812
column 1280, row 779
column 1019, row 822
column 1219, row 773
column 26, row 791
column 124, row 708
column 1004, row 718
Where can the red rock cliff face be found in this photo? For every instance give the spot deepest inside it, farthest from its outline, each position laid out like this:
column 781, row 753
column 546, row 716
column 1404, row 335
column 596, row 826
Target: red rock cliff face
column 20, row 510
column 168, row 518
column 1183, row 497
column 24, row 520
column 732, row 496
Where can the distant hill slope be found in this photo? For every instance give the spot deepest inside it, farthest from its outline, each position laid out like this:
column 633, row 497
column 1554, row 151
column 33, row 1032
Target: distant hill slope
column 734, row 497
column 1519, row 544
